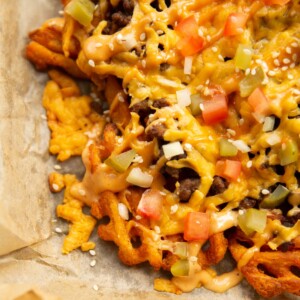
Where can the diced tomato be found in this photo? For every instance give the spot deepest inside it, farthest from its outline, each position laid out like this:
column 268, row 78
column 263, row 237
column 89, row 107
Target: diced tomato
column 190, row 45
column 235, row 24
column 150, row 204
column 196, row 226
column 190, row 42
column 229, row 169
column 259, row 102
column 187, row 27
column 276, row 2
column 215, row 110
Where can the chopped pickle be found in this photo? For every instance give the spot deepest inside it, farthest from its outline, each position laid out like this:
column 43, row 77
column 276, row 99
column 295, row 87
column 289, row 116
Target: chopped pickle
column 122, row 161
column 269, row 124
column 288, row 153
column 81, row 10
column 181, row 249
column 276, row 198
column 243, row 56
column 196, row 100
column 252, row 220
column 251, row 82
column 180, row 268
column 227, row 148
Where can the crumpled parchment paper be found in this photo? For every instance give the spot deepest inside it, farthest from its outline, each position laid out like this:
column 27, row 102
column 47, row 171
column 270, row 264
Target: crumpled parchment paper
column 31, row 264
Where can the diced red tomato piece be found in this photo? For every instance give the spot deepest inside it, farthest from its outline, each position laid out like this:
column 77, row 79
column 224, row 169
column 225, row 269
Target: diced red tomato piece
column 190, row 45
column 215, row 110
column 229, row 169
column 196, row 226
column 235, row 24
column 259, row 102
column 276, row 2
column 150, row 204
column 187, row 27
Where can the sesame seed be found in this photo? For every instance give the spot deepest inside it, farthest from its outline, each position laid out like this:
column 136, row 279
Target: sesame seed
column 163, row 193
column 61, row 12
column 247, row 72
column 207, row 82
column 290, row 76
column 200, row 32
column 284, row 68
column 174, row 208
column 93, row 263
column 188, row 147
column 265, row 192
column 294, row 44
column 286, row 61
column 55, row 187
column 201, row 106
column 265, row 81
column 231, row 131
column 193, row 258
column 276, row 62
column 91, row 63
column 53, row 220
column 143, row 36
column 220, row 57
column 120, row 140
column 58, row 230
column 92, row 252
column 157, row 229
column 82, row 192
column 111, row 46
column 271, row 73
column 214, row 49
column 208, row 37
column 275, row 54
column 253, row 71
column 241, row 121
column 249, row 164
column 143, row 62
column 57, row 167
column 95, row 287
column 288, row 50
column 210, row 138
column 160, row 32
column 98, row 45
column 138, row 217
column 292, row 65
column 43, row 117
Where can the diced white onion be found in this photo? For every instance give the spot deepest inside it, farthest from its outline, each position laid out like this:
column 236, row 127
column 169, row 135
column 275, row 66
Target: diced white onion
column 123, row 211
column 273, row 139
column 241, row 145
column 269, row 124
column 139, row 178
column 183, row 97
column 172, row 149
column 167, row 82
column 188, row 63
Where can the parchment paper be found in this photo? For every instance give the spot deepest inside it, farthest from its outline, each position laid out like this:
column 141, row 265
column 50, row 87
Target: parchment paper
column 32, row 266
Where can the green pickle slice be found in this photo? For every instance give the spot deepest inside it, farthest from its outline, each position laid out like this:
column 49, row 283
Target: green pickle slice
column 81, row 10
column 122, row 161
column 252, row 220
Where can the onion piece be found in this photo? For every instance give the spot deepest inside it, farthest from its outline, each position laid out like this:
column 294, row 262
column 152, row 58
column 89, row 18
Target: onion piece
column 241, row 145
column 172, row 149
column 139, row 178
column 183, row 97
column 188, row 63
column 269, row 124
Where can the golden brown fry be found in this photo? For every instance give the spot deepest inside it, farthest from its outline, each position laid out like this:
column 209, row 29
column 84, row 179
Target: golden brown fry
column 165, row 285
column 42, row 58
column 215, row 253
column 67, row 33
column 68, row 87
column 81, row 225
column 270, row 273
column 129, row 230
